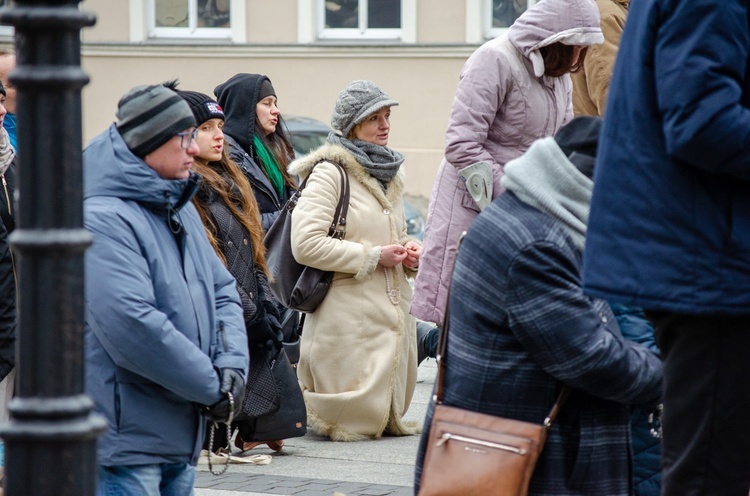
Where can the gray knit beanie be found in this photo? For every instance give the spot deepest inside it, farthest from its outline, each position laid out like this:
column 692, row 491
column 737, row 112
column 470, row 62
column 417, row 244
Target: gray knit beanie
column 149, row 116
column 355, row 102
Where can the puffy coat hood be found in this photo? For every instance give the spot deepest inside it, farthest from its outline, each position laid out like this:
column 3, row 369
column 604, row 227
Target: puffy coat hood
column 117, row 172
column 238, row 96
column 571, row 22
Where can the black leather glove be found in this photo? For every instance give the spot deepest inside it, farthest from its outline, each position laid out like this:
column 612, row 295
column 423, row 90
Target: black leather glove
column 231, row 382
column 267, row 330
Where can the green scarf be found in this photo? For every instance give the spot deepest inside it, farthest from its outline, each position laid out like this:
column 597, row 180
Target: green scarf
column 269, row 164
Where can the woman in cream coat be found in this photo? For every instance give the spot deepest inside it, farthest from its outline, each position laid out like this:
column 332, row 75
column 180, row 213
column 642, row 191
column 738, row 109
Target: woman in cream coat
column 358, row 364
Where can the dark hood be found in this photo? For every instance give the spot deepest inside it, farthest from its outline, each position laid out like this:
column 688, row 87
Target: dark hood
column 238, row 96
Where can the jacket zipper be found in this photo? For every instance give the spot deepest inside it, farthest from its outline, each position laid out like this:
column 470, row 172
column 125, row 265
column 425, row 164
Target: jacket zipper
column 10, row 212
column 223, row 336
column 7, row 196
column 553, row 97
column 447, row 436
column 262, row 186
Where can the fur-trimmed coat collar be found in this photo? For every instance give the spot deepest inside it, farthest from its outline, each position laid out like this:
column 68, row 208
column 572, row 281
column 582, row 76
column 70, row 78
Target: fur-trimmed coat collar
column 336, row 153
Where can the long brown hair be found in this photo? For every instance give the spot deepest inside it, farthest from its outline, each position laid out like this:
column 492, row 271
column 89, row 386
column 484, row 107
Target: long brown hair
column 238, row 196
column 558, row 59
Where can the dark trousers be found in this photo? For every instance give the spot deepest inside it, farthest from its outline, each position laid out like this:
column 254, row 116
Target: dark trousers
column 706, row 422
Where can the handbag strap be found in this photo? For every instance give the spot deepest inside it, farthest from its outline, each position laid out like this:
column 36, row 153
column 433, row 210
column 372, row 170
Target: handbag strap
column 338, row 224
column 442, row 352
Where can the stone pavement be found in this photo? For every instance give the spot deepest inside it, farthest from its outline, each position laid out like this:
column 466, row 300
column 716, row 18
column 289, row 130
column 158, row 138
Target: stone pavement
column 315, row 466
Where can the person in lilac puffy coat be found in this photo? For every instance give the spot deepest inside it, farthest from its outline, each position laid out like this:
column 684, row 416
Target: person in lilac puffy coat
column 513, row 90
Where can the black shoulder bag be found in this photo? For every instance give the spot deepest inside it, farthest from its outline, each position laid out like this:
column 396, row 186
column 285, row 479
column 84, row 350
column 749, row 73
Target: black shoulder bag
column 298, row 286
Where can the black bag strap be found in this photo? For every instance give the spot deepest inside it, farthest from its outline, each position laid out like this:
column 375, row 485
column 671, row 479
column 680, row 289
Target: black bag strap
column 442, row 352
column 338, row 225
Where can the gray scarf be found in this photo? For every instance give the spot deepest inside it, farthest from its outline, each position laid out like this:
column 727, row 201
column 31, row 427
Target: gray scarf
column 7, row 154
column 544, row 178
column 380, row 161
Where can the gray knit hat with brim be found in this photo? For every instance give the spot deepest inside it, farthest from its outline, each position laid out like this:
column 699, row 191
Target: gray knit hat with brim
column 355, row 102
column 149, row 116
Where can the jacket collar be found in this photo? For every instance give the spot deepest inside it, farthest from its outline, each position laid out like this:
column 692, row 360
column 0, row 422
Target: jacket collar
column 111, row 169
column 336, row 153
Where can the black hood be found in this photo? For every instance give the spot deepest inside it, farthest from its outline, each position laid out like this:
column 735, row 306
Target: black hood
column 238, row 97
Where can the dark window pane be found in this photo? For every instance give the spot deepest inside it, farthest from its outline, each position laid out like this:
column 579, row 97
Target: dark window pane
column 172, row 13
column 504, row 12
column 342, row 13
column 213, row 13
column 384, row 14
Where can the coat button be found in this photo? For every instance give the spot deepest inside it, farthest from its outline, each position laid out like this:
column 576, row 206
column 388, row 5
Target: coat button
column 386, row 211
column 244, row 241
column 604, row 318
column 230, row 243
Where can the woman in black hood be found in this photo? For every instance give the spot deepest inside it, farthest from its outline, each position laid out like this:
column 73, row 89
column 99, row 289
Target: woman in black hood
column 257, row 140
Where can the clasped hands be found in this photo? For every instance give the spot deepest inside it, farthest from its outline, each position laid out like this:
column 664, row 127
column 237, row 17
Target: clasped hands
column 408, row 254
column 231, row 382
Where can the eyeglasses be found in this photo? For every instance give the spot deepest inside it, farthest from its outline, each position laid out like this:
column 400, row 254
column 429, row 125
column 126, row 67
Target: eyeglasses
column 187, row 137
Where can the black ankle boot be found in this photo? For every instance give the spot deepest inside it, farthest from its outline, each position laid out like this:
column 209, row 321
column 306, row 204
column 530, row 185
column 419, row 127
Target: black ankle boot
column 427, row 338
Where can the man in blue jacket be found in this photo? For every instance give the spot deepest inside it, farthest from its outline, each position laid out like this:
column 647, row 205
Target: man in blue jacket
column 669, row 229
column 164, row 332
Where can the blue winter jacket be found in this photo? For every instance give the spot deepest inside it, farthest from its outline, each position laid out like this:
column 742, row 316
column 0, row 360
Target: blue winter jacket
column 669, row 227
column 646, row 448
column 162, row 313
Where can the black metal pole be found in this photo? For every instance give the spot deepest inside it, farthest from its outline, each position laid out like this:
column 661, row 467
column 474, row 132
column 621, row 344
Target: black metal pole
column 50, row 442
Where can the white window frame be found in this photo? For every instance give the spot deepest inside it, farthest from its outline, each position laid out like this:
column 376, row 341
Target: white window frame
column 143, row 24
column 7, row 31
column 405, row 34
column 479, row 21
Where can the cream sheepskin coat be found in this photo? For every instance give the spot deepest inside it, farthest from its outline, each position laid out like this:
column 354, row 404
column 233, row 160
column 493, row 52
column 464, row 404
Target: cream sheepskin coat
column 358, row 363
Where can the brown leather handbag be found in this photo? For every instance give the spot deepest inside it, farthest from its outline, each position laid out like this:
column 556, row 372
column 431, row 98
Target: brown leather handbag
column 476, row 454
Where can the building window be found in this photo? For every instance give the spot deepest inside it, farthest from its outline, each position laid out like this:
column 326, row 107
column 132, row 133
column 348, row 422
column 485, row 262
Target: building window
column 5, row 30
column 190, row 18
column 500, row 14
column 361, row 19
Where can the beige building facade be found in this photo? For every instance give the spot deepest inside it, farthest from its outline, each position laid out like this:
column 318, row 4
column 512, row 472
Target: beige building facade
column 310, row 49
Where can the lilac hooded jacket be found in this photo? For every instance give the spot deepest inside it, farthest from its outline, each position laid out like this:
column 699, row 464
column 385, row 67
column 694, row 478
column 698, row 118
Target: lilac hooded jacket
column 504, row 102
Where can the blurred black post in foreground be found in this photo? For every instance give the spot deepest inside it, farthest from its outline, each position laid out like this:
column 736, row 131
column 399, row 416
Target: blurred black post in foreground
column 50, row 442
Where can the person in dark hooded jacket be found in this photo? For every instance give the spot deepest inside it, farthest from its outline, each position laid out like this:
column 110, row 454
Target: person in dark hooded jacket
column 514, row 343
column 7, row 272
column 254, row 130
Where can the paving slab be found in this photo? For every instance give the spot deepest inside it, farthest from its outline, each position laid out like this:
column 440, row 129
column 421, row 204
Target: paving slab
column 313, row 465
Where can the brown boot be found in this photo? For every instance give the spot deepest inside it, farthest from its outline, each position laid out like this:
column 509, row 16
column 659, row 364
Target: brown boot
column 242, row 445
column 276, row 445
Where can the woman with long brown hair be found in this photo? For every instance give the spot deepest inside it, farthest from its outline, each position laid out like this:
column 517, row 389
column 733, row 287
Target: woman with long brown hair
column 230, row 213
